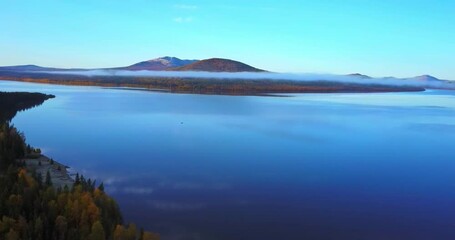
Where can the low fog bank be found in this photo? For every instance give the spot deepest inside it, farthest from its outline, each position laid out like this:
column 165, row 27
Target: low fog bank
column 309, row 77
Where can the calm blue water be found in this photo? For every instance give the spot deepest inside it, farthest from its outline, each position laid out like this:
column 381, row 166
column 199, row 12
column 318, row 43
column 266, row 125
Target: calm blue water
column 314, row 166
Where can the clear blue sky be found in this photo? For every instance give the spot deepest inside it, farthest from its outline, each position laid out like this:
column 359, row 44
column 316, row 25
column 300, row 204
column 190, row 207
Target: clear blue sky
column 376, row 37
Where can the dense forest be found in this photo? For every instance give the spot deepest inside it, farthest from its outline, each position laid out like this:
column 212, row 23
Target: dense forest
column 12, row 102
column 32, row 208
column 204, row 86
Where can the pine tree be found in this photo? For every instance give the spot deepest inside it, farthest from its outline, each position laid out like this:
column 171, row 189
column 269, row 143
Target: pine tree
column 77, row 180
column 38, row 229
column 61, row 226
column 48, row 180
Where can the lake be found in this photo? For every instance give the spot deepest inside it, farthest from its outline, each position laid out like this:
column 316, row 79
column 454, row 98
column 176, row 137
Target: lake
column 310, row 166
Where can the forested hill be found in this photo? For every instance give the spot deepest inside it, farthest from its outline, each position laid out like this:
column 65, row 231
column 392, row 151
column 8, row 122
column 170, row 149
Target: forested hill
column 32, row 208
column 13, row 102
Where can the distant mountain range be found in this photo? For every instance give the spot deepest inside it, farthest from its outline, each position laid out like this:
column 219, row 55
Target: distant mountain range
column 162, row 64
column 423, row 78
column 208, row 65
column 21, row 68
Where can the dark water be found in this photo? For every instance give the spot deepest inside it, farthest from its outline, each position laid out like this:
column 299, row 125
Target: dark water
column 335, row 166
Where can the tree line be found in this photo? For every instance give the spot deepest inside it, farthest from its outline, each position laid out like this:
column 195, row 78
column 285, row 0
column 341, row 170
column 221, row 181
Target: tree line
column 13, row 102
column 205, row 86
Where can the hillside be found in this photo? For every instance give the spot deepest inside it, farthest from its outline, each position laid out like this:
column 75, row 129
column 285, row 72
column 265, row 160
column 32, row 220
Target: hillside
column 21, row 68
column 218, row 65
column 426, row 78
column 159, row 64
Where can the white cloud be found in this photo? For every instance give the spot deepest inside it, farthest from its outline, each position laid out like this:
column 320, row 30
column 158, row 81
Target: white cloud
column 183, row 19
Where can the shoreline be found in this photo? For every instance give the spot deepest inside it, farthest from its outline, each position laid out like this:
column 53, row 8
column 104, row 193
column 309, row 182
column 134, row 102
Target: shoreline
column 41, row 164
column 259, row 87
column 38, row 191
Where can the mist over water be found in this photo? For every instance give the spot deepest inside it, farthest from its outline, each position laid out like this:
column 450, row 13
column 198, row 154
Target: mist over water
column 308, row 77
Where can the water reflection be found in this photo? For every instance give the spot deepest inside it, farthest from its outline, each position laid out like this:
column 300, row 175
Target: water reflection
column 313, row 166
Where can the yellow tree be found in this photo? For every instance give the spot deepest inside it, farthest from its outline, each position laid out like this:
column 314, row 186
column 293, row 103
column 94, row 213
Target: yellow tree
column 150, row 236
column 119, row 233
column 97, row 232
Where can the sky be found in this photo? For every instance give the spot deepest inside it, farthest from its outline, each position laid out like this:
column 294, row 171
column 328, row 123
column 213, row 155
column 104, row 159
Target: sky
column 374, row 37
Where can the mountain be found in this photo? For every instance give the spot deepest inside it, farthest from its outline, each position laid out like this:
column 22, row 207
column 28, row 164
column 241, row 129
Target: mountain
column 22, row 68
column 217, row 65
column 426, row 78
column 35, row 68
column 358, row 75
column 159, row 64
